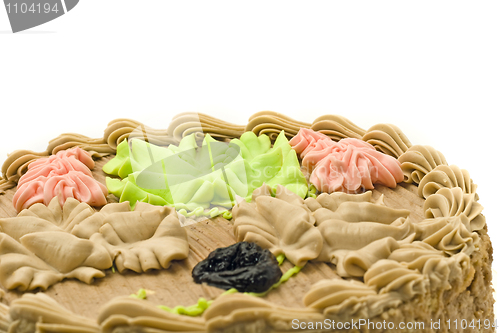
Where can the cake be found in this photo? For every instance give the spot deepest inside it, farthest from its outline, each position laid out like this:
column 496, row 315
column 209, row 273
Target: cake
column 372, row 233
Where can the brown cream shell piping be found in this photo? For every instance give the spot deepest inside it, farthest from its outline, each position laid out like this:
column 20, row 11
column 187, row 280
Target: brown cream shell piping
column 448, row 176
column 418, row 161
column 448, row 202
column 272, row 123
column 241, row 308
column 337, row 127
column 388, row 139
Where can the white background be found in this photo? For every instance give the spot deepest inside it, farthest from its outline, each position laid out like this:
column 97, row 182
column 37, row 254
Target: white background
column 430, row 67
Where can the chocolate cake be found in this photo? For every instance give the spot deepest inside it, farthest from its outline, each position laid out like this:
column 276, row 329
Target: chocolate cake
column 363, row 231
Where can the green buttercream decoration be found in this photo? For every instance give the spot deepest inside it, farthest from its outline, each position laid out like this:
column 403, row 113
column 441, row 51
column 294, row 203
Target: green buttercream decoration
column 312, row 191
column 280, row 258
column 194, row 179
column 120, row 165
column 202, row 212
column 196, row 309
column 192, row 310
column 141, row 294
column 285, row 277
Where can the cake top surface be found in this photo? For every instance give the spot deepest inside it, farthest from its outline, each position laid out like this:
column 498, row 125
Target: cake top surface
column 357, row 232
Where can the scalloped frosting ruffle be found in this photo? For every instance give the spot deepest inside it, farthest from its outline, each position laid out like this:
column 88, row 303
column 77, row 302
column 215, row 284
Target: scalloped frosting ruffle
column 40, row 313
column 278, row 224
column 43, row 245
column 447, row 202
column 127, row 312
column 409, row 271
column 346, row 230
column 397, row 258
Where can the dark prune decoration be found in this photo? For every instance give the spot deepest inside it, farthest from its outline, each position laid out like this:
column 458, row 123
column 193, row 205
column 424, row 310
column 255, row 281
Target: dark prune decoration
column 244, row 266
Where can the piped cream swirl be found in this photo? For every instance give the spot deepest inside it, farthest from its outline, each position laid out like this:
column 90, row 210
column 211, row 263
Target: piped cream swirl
column 448, row 176
column 337, row 127
column 387, row 138
column 418, row 161
column 390, row 276
column 449, row 234
column 447, row 202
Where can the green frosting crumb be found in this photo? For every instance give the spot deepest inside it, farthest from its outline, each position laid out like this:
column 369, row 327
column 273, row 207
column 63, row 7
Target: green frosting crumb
column 141, row 294
column 227, row 215
column 312, row 191
column 280, row 258
column 201, row 212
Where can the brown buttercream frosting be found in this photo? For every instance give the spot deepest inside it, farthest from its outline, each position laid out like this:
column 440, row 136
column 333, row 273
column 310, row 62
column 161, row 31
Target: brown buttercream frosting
column 454, row 201
column 418, row 161
column 337, row 127
column 138, row 315
column 387, row 138
column 43, row 245
column 243, row 309
column 448, row 176
column 282, row 224
column 383, row 257
column 396, row 257
column 272, row 123
column 40, row 313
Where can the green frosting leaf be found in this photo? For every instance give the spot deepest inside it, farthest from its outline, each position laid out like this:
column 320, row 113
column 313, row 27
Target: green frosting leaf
column 197, row 179
column 120, row 165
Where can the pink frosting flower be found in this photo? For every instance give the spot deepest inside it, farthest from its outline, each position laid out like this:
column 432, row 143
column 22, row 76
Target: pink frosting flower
column 74, row 184
column 55, row 167
column 74, row 153
column 348, row 165
column 66, row 174
column 311, row 146
column 306, row 139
